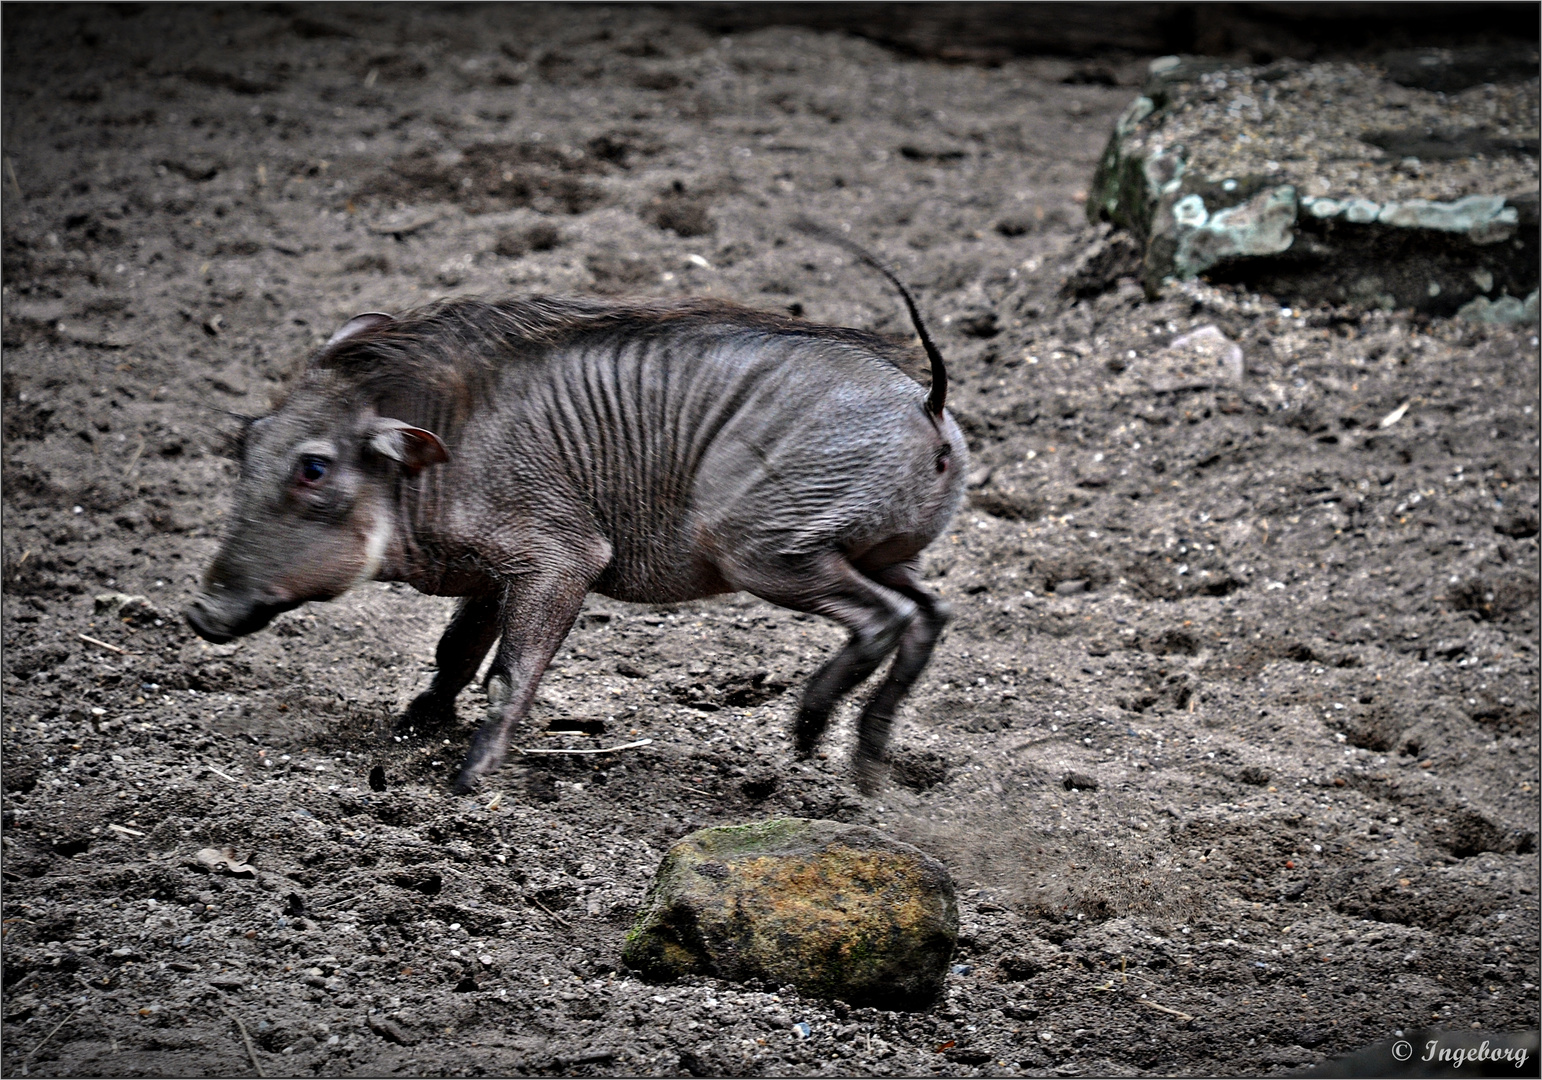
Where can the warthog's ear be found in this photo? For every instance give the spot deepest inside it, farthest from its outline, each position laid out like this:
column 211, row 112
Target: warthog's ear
column 415, row 448
column 358, row 324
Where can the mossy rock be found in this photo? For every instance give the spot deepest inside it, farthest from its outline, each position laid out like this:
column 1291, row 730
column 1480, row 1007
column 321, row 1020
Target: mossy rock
column 1329, row 183
column 839, row 911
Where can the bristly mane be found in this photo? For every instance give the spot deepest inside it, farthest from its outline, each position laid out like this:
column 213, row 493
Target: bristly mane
column 436, row 364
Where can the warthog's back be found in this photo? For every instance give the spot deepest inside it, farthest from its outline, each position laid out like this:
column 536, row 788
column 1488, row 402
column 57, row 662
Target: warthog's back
column 686, row 432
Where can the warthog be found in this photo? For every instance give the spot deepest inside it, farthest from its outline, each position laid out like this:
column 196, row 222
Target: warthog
column 522, row 453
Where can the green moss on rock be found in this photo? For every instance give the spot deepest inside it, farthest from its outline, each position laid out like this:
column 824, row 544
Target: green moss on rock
column 1279, row 178
column 839, row 911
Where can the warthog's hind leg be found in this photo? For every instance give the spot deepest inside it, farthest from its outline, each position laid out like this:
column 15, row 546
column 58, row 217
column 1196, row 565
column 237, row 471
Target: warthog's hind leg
column 827, row 584
column 910, row 659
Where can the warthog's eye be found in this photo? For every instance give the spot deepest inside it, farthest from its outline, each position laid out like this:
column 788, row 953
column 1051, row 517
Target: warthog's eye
column 312, row 469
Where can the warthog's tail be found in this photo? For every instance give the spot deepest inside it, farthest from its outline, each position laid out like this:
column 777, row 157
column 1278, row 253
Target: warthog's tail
column 939, row 393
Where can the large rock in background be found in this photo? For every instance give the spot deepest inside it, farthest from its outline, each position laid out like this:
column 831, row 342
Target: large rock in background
column 1333, row 182
column 839, row 911
column 1261, row 31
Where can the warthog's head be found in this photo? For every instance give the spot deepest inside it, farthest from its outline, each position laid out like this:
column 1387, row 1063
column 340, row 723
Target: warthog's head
column 314, row 509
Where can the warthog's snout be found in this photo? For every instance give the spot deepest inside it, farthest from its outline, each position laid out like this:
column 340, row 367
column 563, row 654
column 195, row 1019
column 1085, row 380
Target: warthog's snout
column 221, row 622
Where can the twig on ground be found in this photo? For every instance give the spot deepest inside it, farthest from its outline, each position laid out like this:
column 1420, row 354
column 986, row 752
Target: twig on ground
column 28, row 1059
column 597, row 750
column 549, row 911
column 134, row 459
column 10, row 170
column 104, row 644
column 222, row 776
column 1125, row 976
column 125, row 830
column 1179, row 1013
column 698, row 790
column 405, row 228
column 247, row 1039
column 334, row 903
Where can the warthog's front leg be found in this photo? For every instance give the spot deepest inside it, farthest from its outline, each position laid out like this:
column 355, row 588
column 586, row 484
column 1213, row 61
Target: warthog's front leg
column 460, row 652
column 538, row 610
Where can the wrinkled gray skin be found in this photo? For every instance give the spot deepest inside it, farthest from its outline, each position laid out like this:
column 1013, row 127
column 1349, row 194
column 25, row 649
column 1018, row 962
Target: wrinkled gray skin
column 521, row 454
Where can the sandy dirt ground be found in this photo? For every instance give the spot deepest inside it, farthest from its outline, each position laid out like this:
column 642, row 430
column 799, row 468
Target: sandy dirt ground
column 1232, row 746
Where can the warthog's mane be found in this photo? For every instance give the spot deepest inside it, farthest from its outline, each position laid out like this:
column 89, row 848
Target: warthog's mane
column 435, row 365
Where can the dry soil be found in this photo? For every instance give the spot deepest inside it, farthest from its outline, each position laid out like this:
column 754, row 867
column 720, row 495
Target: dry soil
column 1232, row 746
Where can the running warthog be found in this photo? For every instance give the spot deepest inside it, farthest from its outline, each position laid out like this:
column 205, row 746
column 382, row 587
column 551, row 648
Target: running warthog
column 521, row 453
